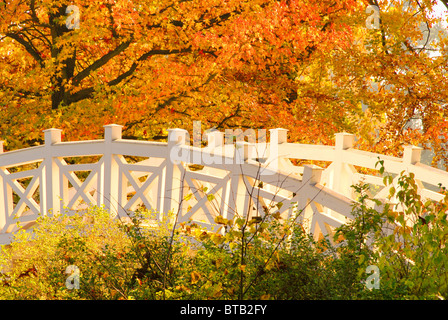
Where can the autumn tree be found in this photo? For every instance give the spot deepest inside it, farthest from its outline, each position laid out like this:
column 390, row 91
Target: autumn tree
column 313, row 67
column 397, row 69
column 150, row 65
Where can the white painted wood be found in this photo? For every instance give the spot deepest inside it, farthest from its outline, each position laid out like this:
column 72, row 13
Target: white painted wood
column 245, row 178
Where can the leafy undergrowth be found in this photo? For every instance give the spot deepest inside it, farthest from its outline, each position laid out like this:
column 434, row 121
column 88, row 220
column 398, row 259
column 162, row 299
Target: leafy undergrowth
column 91, row 256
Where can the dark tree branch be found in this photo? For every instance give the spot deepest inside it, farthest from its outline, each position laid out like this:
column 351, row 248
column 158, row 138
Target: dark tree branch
column 171, row 99
column 225, row 119
column 87, row 92
column 20, row 93
column 34, row 17
column 28, row 47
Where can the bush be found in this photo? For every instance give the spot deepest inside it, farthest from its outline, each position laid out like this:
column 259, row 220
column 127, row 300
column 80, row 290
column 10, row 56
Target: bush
column 406, row 240
column 263, row 258
column 116, row 260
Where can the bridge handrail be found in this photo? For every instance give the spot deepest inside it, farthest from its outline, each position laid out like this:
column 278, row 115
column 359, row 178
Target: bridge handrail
column 160, row 182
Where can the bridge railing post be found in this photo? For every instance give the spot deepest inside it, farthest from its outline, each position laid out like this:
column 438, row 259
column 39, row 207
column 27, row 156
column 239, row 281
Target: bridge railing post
column 342, row 176
column 171, row 195
column 215, row 139
column 411, row 154
column 50, row 188
column 241, row 152
column 311, row 175
column 110, row 194
column 277, row 136
column 215, row 144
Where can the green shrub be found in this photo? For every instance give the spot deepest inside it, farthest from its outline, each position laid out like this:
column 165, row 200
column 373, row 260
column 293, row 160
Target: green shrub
column 406, row 240
column 263, row 258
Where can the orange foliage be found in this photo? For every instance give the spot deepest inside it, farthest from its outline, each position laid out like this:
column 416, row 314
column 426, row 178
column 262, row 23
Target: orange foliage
column 304, row 65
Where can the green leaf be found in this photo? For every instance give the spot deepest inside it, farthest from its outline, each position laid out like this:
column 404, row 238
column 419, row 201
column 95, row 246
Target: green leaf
column 210, row 197
column 391, row 191
column 240, row 222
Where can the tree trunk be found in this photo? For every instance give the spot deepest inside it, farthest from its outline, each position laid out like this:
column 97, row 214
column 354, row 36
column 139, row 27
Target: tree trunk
column 66, row 66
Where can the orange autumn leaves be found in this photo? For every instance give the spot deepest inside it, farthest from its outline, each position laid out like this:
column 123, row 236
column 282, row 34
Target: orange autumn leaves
column 150, row 65
column 303, row 65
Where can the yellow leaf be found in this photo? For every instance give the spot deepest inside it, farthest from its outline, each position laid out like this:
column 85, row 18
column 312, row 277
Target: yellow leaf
column 391, row 191
column 195, row 276
column 217, row 238
column 220, row 220
column 217, row 291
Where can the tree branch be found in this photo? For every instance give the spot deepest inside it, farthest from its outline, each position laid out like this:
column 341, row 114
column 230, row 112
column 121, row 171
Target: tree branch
column 100, row 62
column 87, row 92
column 28, row 47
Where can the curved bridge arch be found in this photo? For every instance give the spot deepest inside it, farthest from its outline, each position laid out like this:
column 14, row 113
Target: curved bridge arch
column 197, row 183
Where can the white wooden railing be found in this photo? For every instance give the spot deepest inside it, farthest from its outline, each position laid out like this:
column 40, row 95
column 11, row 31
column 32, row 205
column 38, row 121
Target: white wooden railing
column 244, row 178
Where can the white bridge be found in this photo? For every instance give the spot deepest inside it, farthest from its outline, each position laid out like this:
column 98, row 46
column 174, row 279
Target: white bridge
column 197, row 183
